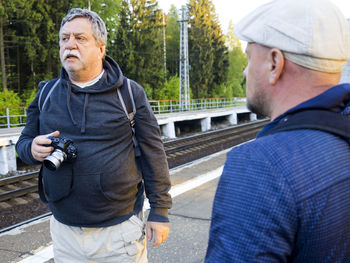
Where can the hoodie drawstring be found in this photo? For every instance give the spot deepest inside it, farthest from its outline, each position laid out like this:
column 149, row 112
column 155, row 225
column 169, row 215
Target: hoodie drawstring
column 83, row 120
column 68, row 104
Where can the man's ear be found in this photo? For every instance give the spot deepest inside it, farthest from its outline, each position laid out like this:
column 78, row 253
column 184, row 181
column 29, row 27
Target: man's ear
column 276, row 64
column 102, row 50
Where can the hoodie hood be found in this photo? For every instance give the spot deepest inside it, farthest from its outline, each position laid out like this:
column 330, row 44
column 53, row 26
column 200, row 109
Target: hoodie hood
column 112, row 79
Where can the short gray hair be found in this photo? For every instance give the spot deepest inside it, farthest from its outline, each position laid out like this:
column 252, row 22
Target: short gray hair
column 98, row 26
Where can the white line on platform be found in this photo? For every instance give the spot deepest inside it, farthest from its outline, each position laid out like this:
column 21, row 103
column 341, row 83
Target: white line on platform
column 195, row 182
column 47, row 253
column 40, row 257
column 190, row 184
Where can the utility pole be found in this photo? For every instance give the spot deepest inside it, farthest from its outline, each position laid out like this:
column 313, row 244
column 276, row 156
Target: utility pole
column 184, row 88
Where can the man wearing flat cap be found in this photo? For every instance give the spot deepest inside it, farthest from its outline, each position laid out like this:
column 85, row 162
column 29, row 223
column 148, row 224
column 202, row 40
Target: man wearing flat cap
column 285, row 197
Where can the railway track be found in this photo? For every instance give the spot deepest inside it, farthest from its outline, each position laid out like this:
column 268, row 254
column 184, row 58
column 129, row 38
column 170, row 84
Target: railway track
column 179, row 151
column 19, row 185
column 194, row 147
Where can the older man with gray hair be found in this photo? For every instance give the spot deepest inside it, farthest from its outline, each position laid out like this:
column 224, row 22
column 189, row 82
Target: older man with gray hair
column 96, row 198
column 285, row 197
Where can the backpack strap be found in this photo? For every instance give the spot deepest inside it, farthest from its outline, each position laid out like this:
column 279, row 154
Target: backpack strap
column 127, row 100
column 323, row 120
column 46, row 91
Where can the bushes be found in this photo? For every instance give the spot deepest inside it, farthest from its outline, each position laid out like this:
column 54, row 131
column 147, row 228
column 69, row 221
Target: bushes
column 171, row 89
column 28, row 97
column 8, row 98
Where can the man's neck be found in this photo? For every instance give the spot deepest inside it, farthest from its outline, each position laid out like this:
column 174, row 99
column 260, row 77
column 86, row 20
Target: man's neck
column 296, row 97
column 84, row 84
column 81, row 77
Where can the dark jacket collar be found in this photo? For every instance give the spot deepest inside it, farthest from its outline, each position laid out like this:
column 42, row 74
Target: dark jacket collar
column 335, row 99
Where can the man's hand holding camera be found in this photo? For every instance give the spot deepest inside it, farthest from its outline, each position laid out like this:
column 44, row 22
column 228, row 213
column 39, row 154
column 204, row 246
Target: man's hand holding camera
column 40, row 149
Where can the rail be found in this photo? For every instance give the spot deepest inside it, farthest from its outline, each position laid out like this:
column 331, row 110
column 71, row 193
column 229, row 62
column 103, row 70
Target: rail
column 17, row 116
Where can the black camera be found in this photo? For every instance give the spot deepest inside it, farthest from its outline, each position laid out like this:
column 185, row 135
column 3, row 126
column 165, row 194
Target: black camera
column 64, row 149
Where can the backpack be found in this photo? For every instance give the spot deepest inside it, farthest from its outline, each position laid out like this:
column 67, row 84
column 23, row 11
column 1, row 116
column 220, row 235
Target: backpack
column 124, row 93
column 316, row 119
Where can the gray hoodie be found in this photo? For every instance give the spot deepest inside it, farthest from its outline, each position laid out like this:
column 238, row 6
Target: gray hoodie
column 103, row 186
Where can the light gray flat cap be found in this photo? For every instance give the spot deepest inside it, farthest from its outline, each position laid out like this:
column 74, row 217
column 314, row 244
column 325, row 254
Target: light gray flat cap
column 311, row 33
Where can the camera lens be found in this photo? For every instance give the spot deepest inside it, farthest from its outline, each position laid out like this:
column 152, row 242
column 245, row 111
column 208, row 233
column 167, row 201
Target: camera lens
column 53, row 161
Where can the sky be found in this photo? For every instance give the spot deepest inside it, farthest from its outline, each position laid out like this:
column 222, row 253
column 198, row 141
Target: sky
column 234, row 9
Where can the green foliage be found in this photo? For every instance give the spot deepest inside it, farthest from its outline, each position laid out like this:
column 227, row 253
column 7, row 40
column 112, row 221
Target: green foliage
column 8, row 98
column 207, row 50
column 28, row 96
column 171, row 89
column 31, row 36
column 148, row 90
column 231, row 40
column 222, row 91
column 235, row 78
column 235, row 82
column 139, row 44
column 135, row 40
column 173, row 41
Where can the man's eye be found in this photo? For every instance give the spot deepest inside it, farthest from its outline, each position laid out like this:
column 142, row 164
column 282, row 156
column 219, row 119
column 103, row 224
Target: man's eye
column 80, row 39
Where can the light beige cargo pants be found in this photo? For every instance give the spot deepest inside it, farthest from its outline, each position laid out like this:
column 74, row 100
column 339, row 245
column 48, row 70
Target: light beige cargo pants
column 124, row 242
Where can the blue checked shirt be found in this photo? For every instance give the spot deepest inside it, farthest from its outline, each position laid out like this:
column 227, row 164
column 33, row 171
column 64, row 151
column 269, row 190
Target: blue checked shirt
column 286, row 197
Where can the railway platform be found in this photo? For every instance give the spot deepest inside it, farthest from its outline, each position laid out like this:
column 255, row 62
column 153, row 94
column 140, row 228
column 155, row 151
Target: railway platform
column 193, row 190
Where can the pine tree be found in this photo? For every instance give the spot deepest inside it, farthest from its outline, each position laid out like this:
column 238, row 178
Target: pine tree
column 123, row 47
column 237, row 63
column 207, row 50
column 173, row 41
column 23, row 46
column 139, row 44
column 231, row 40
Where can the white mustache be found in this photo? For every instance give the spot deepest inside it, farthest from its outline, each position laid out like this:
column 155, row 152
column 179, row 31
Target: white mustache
column 72, row 52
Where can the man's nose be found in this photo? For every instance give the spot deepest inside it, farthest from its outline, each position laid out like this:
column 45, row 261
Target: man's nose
column 71, row 43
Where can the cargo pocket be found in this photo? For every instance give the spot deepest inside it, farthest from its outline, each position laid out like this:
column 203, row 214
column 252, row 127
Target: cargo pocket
column 133, row 234
column 57, row 185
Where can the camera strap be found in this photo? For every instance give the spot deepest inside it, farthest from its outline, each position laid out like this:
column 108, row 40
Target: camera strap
column 323, row 120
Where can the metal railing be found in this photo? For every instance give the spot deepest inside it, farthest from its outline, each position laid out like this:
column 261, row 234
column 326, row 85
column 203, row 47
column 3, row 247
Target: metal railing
column 16, row 116
column 12, row 116
column 168, row 106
